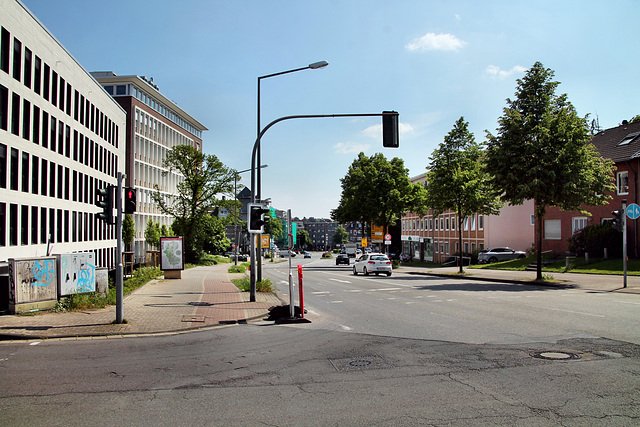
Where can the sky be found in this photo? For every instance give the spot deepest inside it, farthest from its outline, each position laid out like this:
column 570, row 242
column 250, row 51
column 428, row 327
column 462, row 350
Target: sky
column 431, row 61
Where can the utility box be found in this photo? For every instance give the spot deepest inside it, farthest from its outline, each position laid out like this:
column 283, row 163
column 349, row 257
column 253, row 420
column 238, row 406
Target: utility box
column 33, row 284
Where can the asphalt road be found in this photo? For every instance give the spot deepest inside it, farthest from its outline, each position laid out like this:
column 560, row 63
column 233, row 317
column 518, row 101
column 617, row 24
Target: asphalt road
column 507, row 356
column 467, row 311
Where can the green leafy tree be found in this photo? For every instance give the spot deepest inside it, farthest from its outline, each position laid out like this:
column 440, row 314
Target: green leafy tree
column 213, row 235
column 542, row 152
column 303, row 238
column 203, row 178
column 341, row 236
column 152, row 233
column 457, row 179
column 273, row 227
column 128, row 231
column 165, row 231
column 376, row 190
column 635, row 119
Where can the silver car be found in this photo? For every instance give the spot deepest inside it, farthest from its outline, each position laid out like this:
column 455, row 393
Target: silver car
column 372, row 263
column 499, row 254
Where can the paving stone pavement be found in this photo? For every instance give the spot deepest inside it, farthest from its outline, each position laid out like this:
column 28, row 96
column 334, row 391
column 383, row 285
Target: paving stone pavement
column 202, row 297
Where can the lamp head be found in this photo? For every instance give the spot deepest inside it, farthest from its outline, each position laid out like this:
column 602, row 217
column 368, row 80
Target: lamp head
column 320, row 64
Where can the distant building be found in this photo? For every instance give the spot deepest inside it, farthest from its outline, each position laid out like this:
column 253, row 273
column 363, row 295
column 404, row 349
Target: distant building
column 154, row 126
column 61, row 137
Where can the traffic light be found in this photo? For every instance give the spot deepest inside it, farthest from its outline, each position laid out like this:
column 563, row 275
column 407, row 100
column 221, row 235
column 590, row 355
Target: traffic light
column 129, row 200
column 104, row 200
column 256, row 221
column 616, row 224
column 390, row 137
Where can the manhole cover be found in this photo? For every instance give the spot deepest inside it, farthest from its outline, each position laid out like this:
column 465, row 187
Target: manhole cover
column 360, row 363
column 555, row 355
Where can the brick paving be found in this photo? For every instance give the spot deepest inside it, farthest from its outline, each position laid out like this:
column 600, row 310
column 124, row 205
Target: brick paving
column 202, row 297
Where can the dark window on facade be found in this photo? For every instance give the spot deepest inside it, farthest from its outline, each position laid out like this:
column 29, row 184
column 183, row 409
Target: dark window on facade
column 66, row 226
column 76, row 106
column 26, row 119
column 4, row 107
column 52, row 179
column 13, row 224
column 109, row 90
column 53, row 128
column 43, row 225
column 68, row 104
column 34, row 225
column 24, row 225
column 15, row 114
column 3, row 167
column 47, row 79
column 5, row 42
column 61, row 97
column 14, row 169
column 54, row 88
column 81, row 107
column 43, row 181
column 52, row 224
column 60, row 137
column 17, row 58
column 45, row 129
column 60, row 181
column 36, row 125
column 67, row 141
column 37, row 74
column 121, row 90
column 59, row 228
column 35, row 168
column 66, row 183
column 74, row 226
column 25, row 172
column 74, row 191
column 3, row 220
column 75, row 145
column 27, row 67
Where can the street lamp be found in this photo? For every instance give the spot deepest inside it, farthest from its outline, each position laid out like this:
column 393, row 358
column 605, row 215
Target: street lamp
column 255, row 253
column 235, row 222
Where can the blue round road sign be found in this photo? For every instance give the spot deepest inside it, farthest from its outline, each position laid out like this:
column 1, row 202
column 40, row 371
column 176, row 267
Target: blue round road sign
column 633, row 211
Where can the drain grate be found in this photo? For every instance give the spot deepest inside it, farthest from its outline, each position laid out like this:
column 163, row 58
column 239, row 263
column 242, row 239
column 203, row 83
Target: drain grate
column 360, row 363
column 555, row 355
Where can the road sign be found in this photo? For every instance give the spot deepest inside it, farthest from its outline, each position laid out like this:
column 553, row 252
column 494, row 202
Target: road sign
column 633, row 211
column 387, row 237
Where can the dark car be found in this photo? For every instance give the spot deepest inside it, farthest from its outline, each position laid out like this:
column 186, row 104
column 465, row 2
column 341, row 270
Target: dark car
column 342, row 259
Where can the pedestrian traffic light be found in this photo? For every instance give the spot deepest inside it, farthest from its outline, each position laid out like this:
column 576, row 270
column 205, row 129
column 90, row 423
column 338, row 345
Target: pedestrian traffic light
column 256, row 220
column 129, row 200
column 104, row 200
column 616, row 224
column 390, row 129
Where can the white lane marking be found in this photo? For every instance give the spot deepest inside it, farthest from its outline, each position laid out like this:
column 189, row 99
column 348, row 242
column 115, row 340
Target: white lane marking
column 346, row 328
column 386, row 289
column 353, row 290
column 35, row 343
column 320, row 292
column 337, row 302
column 570, row 311
column 341, row 281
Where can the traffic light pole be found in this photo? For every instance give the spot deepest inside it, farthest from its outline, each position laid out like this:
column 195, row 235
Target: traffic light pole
column 390, row 139
column 119, row 273
column 624, row 242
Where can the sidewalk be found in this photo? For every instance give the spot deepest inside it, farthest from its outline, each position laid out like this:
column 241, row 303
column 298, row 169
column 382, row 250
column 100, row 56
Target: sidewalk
column 593, row 282
column 203, row 297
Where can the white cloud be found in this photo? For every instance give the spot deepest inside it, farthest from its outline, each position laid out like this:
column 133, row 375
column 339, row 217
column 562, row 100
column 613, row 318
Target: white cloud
column 349, row 147
column 433, row 41
column 495, row 71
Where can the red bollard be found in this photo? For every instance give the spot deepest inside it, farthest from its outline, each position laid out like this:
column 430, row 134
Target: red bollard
column 300, row 291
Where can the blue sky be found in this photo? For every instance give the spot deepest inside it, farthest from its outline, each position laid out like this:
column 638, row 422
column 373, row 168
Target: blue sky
column 432, row 61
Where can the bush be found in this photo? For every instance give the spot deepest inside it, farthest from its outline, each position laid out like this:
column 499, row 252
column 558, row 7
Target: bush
column 240, row 268
column 594, row 238
column 244, row 284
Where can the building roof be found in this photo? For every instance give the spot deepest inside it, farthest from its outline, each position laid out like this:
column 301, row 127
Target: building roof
column 619, row 144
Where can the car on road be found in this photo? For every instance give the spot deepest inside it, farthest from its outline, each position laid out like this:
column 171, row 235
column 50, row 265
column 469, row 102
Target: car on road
column 286, row 253
column 307, row 254
column 499, row 254
column 372, row 263
column 342, row 259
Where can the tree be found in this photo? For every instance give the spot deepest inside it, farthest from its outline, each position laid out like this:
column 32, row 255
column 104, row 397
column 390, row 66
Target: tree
column 375, row 190
column 340, row 236
column 303, row 238
column 203, row 178
column 542, row 152
column 128, row 230
column 273, row 227
column 457, row 179
column 635, row 119
column 152, row 233
column 213, row 235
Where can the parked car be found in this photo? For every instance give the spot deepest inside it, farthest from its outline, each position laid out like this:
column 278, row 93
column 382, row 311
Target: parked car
column 499, row 254
column 307, row 254
column 372, row 263
column 342, row 259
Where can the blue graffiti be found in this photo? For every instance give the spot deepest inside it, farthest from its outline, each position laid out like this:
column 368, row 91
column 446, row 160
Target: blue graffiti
column 86, row 278
column 44, row 273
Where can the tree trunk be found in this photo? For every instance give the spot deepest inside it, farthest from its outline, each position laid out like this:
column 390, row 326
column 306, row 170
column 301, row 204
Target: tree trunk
column 539, row 247
column 460, row 222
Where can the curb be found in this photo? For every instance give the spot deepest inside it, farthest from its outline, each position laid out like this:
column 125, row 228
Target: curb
column 561, row 285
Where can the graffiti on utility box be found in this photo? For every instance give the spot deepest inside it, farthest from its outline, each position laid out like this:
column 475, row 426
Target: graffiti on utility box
column 31, row 280
column 77, row 273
